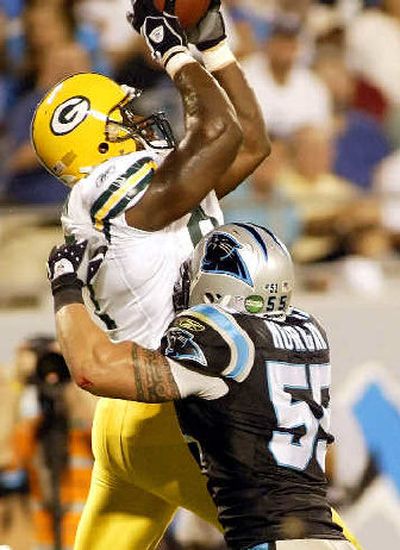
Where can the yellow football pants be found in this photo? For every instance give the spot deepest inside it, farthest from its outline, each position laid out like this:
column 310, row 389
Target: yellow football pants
column 143, row 471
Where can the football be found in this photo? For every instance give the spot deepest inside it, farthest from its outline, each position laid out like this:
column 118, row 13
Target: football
column 189, row 12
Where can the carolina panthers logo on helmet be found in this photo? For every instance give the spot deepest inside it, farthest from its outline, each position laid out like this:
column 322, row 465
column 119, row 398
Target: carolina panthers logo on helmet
column 181, row 345
column 222, row 257
column 69, row 115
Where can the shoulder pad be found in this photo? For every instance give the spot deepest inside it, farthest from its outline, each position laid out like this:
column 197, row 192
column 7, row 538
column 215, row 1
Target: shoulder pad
column 210, row 339
column 119, row 186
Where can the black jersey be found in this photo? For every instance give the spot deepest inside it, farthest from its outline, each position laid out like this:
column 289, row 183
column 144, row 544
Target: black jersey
column 262, row 442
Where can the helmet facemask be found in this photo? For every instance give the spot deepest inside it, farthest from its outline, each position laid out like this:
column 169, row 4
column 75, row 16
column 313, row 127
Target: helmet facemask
column 181, row 291
column 124, row 123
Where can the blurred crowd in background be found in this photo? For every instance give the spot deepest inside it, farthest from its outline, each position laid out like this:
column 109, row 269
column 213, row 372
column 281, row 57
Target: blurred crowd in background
column 327, row 76
column 328, row 80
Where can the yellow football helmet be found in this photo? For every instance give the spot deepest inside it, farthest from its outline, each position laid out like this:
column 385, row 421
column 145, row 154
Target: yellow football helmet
column 87, row 119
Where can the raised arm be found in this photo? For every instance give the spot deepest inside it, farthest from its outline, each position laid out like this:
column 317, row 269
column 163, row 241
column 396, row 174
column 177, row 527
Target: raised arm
column 213, row 134
column 256, row 146
column 210, row 38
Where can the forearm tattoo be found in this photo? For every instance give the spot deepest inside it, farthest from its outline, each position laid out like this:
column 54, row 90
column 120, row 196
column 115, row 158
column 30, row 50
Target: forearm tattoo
column 153, row 378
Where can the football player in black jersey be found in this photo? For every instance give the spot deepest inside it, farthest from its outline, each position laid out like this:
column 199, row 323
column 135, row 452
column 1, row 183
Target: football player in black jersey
column 250, row 375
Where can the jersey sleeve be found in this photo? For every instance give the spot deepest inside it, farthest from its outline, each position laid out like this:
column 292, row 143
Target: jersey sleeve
column 97, row 203
column 210, row 341
column 116, row 191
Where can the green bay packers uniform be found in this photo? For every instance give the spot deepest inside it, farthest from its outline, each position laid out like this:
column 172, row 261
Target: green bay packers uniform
column 143, row 469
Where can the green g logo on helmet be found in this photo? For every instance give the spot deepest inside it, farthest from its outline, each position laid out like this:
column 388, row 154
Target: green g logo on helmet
column 69, row 115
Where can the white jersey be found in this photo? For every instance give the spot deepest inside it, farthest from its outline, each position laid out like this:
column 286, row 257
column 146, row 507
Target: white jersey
column 132, row 292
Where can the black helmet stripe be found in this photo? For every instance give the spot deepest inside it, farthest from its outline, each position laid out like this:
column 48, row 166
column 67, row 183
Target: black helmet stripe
column 253, row 231
column 269, row 232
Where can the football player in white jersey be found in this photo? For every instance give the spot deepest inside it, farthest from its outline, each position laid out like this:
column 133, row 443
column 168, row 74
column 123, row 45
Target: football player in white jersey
column 149, row 202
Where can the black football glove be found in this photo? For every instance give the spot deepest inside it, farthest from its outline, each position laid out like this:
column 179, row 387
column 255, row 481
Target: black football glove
column 74, row 265
column 161, row 30
column 210, row 30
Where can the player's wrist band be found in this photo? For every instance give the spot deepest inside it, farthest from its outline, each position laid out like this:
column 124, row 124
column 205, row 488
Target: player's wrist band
column 218, row 57
column 177, row 59
column 66, row 290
